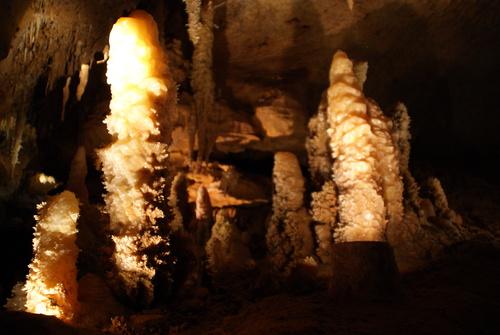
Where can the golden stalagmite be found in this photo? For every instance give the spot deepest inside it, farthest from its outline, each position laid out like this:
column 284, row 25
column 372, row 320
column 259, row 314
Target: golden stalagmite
column 366, row 167
column 135, row 163
column 51, row 286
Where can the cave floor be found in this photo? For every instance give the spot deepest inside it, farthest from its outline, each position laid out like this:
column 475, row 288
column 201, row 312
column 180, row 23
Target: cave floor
column 455, row 294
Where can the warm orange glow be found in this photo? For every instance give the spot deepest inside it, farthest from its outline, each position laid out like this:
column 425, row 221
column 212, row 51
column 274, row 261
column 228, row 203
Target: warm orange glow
column 143, row 93
column 51, row 286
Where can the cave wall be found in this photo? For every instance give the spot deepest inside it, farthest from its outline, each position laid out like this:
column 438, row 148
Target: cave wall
column 439, row 57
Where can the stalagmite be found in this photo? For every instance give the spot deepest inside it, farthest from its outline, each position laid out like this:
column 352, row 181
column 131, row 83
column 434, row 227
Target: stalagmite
column 289, row 237
column 366, row 168
column 226, row 253
column 134, row 165
column 407, row 238
column 416, row 236
column 402, row 136
column 51, row 286
column 438, row 195
column 177, row 201
column 361, row 207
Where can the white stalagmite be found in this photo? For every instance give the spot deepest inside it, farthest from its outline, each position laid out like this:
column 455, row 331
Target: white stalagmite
column 366, row 169
column 289, row 237
column 134, row 165
column 51, row 286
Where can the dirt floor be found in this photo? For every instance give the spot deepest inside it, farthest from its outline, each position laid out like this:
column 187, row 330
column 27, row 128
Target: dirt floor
column 455, row 294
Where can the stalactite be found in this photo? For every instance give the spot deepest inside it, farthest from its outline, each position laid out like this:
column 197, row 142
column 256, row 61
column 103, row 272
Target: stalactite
column 65, row 97
column 84, row 78
column 200, row 22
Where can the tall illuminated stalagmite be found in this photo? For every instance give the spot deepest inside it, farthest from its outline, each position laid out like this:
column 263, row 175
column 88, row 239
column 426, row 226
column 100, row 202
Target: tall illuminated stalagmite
column 134, row 164
column 366, row 168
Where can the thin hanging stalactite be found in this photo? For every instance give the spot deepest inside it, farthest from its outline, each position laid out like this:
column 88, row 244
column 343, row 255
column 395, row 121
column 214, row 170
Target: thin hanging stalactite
column 201, row 24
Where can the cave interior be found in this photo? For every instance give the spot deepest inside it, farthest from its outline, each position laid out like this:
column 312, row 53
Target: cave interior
column 267, row 71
